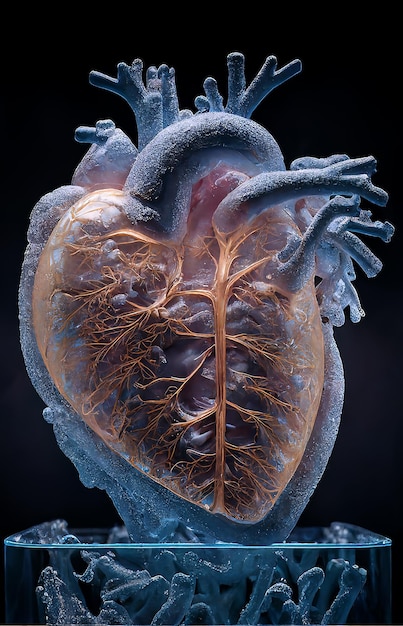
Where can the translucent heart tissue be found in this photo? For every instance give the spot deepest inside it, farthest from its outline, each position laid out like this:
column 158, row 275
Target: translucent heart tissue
column 177, row 306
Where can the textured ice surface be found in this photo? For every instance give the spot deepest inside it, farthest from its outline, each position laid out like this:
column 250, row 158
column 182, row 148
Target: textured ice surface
column 177, row 305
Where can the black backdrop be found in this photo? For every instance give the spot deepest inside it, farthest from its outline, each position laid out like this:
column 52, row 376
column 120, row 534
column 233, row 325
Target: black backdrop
column 347, row 99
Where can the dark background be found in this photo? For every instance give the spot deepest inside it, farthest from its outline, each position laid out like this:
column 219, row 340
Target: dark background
column 347, row 99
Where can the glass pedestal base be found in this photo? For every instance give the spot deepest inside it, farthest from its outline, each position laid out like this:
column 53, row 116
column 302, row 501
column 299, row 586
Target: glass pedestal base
column 340, row 574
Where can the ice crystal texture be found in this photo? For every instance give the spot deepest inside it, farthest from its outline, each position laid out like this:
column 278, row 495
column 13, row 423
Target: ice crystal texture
column 177, row 309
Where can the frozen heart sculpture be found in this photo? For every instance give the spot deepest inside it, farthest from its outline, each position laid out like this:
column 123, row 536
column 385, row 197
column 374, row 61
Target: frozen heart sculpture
column 177, row 305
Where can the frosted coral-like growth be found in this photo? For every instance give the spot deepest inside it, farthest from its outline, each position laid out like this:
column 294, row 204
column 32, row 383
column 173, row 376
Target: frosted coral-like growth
column 178, row 303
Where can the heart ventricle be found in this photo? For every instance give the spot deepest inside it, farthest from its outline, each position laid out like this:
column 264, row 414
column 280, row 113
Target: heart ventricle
column 189, row 359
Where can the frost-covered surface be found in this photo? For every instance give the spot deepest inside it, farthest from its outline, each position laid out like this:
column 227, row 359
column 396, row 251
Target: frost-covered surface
column 187, row 437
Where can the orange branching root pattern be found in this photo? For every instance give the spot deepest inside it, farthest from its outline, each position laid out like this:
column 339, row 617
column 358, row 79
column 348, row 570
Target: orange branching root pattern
column 188, row 359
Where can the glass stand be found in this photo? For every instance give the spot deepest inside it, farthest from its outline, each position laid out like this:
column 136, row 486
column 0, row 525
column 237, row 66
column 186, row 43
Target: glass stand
column 340, row 574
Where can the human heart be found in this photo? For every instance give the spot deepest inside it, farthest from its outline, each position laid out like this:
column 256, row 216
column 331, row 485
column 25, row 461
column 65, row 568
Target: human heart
column 183, row 294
